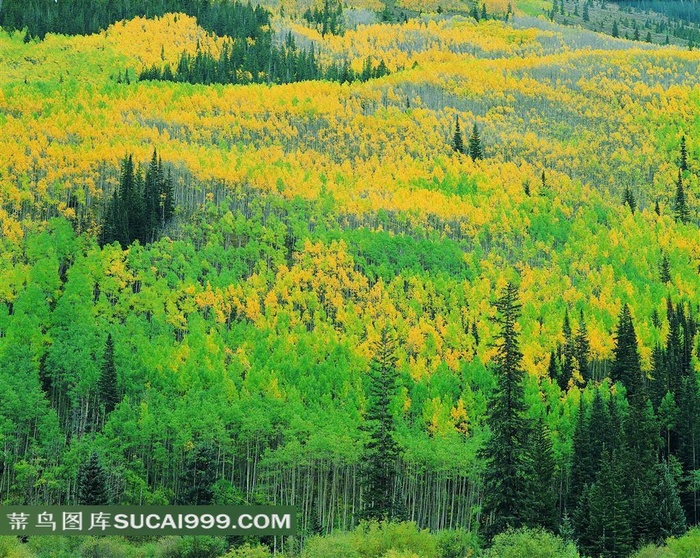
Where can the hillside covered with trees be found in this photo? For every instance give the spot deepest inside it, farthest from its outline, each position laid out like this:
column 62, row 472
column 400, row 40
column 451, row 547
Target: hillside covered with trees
column 428, row 275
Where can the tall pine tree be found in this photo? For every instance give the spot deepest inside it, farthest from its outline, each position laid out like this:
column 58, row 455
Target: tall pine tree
column 457, row 141
column 626, row 366
column 680, row 204
column 92, row 483
column 107, row 386
column 505, row 453
column 683, row 164
column 475, row 149
column 381, row 452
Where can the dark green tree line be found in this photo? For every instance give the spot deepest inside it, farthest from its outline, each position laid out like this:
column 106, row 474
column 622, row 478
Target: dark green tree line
column 141, row 206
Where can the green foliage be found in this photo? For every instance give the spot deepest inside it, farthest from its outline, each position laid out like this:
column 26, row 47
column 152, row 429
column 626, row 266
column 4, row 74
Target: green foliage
column 680, row 204
column 476, row 151
column 202, row 547
column 248, row 551
column 506, row 451
column 11, row 547
column 372, row 540
column 329, row 18
column 682, row 547
column 533, row 543
column 626, row 367
column 381, row 451
column 92, row 483
column 456, row 544
column 107, row 386
column 240, row 63
column 457, row 140
column 141, row 207
column 84, row 18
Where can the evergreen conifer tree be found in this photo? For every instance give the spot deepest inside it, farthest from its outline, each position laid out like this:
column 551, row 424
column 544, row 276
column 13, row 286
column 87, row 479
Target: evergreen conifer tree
column 506, row 451
column 684, row 155
column 609, row 528
column 107, row 386
column 475, row 333
column 669, row 519
column 92, row 483
column 628, row 199
column 542, row 498
column 665, row 269
column 475, row 149
column 568, row 354
column 198, row 476
column 626, row 366
column 381, row 452
column 457, row 141
column 680, row 204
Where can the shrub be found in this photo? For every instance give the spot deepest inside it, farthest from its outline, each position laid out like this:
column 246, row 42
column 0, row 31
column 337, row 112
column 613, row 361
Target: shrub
column 533, row 543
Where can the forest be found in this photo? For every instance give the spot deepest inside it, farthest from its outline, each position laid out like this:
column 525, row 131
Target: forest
column 434, row 282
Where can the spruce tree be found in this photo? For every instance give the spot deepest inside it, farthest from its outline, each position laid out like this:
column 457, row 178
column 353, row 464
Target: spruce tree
column 626, row 366
column 609, row 528
column 167, row 197
column 92, row 483
column 553, row 368
column 107, row 386
column 198, row 476
column 669, row 519
column 642, row 447
column 151, row 200
column 506, row 451
column 628, row 199
column 457, row 142
column 582, row 466
column 684, row 155
column 665, row 269
column 475, row 149
column 688, row 451
column 615, row 30
column 568, row 354
column 542, row 497
column 381, row 452
column 680, row 205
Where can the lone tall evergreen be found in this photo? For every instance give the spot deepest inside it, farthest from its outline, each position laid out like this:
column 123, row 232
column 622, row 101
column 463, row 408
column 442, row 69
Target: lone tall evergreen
column 107, row 386
column 680, row 205
column 628, row 199
column 506, row 487
column 684, row 155
column 457, row 141
column 475, row 149
column 381, row 453
column 92, row 483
